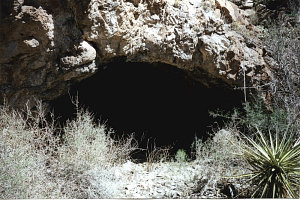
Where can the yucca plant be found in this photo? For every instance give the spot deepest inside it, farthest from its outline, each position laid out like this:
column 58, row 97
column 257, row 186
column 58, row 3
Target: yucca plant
column 275, row 169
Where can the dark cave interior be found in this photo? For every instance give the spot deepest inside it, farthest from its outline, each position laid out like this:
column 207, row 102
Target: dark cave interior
column 157, row 102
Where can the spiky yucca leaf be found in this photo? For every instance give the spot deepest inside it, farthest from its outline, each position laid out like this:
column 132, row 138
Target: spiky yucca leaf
column 275, row 165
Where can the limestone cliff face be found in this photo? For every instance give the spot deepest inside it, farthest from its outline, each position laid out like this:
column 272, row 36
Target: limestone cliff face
column 46, row 45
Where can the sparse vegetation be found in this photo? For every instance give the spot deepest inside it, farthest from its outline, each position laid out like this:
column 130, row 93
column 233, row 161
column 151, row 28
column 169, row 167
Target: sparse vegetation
column 25, row 149
column 86, row 163
column 156, row 155
column 284, row 46
column 272, row 124
column 261, row 144
column 35, row 164
column 219, row 160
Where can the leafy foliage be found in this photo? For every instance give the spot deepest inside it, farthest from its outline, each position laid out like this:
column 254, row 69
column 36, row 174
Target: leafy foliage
column 181, row 156
column 257, row 115
column 275, row 165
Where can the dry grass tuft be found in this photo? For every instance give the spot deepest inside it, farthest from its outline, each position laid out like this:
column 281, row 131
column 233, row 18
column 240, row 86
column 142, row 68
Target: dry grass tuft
column 35, row 165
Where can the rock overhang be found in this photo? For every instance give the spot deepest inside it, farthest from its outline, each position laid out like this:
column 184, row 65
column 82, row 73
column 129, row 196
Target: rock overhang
column 76, row 38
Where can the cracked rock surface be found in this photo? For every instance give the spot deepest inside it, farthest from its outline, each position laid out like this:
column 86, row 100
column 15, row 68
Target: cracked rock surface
column 47, row 45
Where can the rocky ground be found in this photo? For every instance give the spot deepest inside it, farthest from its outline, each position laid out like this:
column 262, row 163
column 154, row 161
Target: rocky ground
column 176, row 180
column 206, row 178
column 168, row 180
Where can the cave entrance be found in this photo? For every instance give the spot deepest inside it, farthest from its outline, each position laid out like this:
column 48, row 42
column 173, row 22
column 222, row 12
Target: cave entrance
column 157, row 102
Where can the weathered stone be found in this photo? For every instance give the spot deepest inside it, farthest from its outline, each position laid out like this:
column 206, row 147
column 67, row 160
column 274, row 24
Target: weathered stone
column 230, row 10
column 248, row 4
column 46, row 45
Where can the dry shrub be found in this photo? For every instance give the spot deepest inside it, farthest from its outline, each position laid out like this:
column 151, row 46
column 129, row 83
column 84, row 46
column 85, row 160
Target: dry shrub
column 156, row 155
column 222, row 148
column 283, row 44
column 87, row 157
column 220, row 161
column 23, row 155
column 35, row 164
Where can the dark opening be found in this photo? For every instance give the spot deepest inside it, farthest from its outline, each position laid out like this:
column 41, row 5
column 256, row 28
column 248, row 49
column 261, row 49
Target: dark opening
column 156, row 101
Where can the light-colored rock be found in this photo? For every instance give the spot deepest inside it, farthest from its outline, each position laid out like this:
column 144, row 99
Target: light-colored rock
column 248, row 4
column 32, row 43
column 249, row 13
column 230, row 10
column 86, row 54
column 39, row 15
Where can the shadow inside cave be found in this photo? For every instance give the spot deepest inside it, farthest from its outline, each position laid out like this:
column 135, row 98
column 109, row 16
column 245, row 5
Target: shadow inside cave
column 157, row 102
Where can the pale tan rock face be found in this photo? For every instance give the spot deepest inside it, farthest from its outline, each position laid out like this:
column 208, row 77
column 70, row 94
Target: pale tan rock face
column 47, row 45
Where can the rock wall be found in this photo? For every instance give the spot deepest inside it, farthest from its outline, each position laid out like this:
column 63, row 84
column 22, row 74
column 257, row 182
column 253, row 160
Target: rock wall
column 46, row 45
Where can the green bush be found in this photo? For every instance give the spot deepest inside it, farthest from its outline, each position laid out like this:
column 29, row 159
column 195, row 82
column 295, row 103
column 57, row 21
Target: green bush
column 275, row 165
column 256, row 114
column 181, row 156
